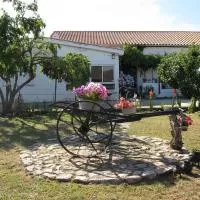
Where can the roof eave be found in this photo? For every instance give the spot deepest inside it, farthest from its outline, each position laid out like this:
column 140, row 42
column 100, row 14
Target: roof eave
column 118, row 51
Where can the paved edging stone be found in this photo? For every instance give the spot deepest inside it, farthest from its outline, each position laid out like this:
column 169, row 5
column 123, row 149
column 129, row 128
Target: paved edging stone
column 131, row 159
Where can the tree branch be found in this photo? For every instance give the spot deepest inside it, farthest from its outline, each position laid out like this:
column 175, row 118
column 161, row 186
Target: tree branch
column 23, row 84
column 3, row 78
column 15, row 83
column 8, row 89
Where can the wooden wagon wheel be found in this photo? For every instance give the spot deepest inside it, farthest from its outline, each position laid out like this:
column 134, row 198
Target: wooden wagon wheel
column 85, row 131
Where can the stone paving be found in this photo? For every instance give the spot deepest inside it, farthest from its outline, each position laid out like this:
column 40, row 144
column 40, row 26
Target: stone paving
column 130, row 159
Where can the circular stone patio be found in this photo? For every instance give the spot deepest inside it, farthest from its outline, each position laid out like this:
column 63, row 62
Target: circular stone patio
column 130, row 159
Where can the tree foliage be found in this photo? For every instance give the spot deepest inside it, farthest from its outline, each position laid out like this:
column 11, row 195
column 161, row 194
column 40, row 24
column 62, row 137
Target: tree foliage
column 22, row 48
column 134, row 59
column 131, row 59
column 77, row 69
column 170, row 69
column 73, row 68
column 181, row 71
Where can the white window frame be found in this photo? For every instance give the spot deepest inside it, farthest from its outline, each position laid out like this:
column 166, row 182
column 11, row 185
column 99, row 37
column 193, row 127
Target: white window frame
column 102, row 82
column 102, row 67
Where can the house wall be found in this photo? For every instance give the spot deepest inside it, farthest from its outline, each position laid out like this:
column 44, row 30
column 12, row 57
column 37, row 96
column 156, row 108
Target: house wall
column 162, row 50
column 150, row 77
column 97, row 58
column 42, row 88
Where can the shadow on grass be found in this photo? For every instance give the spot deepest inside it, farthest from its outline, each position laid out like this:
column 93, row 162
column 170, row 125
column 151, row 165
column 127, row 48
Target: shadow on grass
column 26, row 131
column 170, row 179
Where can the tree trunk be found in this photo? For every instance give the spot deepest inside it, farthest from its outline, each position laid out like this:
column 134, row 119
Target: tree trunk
column 8, row 98
column 8, row 106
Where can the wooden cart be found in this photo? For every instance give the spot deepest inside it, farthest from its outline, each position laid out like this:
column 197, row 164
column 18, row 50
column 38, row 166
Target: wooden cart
column 89, row 131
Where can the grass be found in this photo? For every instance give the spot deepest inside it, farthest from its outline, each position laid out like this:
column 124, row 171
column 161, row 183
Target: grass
column 15, row 184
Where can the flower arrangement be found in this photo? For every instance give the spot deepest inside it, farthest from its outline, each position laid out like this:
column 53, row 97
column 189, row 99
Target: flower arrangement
column 91, row 91
column 185, row 120
column 123, row 103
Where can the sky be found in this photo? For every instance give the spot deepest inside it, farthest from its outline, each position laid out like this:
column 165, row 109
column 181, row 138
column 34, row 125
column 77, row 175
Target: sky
column 119, row 15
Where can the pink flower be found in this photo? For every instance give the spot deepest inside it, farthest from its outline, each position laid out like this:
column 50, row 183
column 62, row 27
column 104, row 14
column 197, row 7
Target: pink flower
column 92, row 91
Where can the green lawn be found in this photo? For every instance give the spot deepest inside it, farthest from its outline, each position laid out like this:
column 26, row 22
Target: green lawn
column 19, row 133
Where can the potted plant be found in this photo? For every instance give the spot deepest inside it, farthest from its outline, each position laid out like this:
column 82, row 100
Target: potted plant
column 127, row 106
column 90, row 93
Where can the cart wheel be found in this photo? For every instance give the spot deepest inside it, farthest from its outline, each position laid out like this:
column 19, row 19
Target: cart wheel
column 66, row 136
column 85, row 131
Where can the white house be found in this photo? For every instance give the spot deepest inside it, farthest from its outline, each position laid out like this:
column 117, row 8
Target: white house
column 104, row 67
column 152, row 42
column 103, row 49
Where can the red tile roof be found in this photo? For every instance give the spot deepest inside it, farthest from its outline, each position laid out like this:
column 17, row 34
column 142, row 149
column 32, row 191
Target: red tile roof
column 138, row 38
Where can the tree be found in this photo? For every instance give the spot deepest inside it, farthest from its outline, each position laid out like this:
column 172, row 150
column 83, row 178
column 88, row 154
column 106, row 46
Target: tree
column 73, row 68
column 181, row 70
column 77, row 69
column 22, row 48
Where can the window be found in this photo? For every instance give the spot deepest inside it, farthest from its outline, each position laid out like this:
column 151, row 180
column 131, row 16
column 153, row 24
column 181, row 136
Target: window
column 108, row 75
column 96, row 73
column 104, row 75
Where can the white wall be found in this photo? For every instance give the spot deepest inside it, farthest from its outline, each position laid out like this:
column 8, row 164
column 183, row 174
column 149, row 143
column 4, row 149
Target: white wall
column 162, row 50
column 42, row 88
column 150, row 75
column 97, row 58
